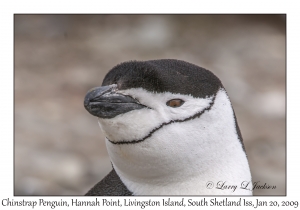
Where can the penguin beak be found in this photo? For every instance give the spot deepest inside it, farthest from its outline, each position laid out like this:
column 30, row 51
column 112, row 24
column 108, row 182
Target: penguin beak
column 104, row 102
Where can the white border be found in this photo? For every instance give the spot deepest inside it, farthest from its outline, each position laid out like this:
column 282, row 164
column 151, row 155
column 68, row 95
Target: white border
column 8, row 8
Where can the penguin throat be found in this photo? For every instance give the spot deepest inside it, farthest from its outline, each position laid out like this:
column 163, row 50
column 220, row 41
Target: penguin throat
column 181, row 158
column 197, row 115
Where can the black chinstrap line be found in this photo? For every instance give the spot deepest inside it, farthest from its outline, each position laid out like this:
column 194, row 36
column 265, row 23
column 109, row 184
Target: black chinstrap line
column 167, row 123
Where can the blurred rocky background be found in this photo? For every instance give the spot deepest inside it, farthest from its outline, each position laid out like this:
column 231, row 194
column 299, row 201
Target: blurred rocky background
column 59, row 148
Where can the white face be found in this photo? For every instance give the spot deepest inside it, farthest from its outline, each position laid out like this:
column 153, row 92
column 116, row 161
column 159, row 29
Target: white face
column 179, row 142
column 204, row 148
column 137, row 124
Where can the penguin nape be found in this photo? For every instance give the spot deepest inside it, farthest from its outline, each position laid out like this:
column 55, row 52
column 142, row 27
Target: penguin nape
column 170, row 130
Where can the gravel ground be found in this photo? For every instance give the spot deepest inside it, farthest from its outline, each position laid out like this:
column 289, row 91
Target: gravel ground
column 59, row 148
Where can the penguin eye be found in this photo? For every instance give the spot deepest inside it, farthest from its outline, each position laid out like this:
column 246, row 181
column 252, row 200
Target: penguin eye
column 175, row 103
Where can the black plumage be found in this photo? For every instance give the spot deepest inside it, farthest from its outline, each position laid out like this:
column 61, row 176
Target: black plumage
column 111, row 185
column 166, row 75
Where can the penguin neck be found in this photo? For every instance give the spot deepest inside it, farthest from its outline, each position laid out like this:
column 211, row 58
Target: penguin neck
column 182, row 158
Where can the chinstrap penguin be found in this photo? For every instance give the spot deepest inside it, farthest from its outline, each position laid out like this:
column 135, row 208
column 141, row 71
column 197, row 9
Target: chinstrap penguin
column 170, row 130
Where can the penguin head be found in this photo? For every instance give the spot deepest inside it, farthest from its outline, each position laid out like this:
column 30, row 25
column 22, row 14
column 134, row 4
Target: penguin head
column 160, row 115
column 138, row 98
